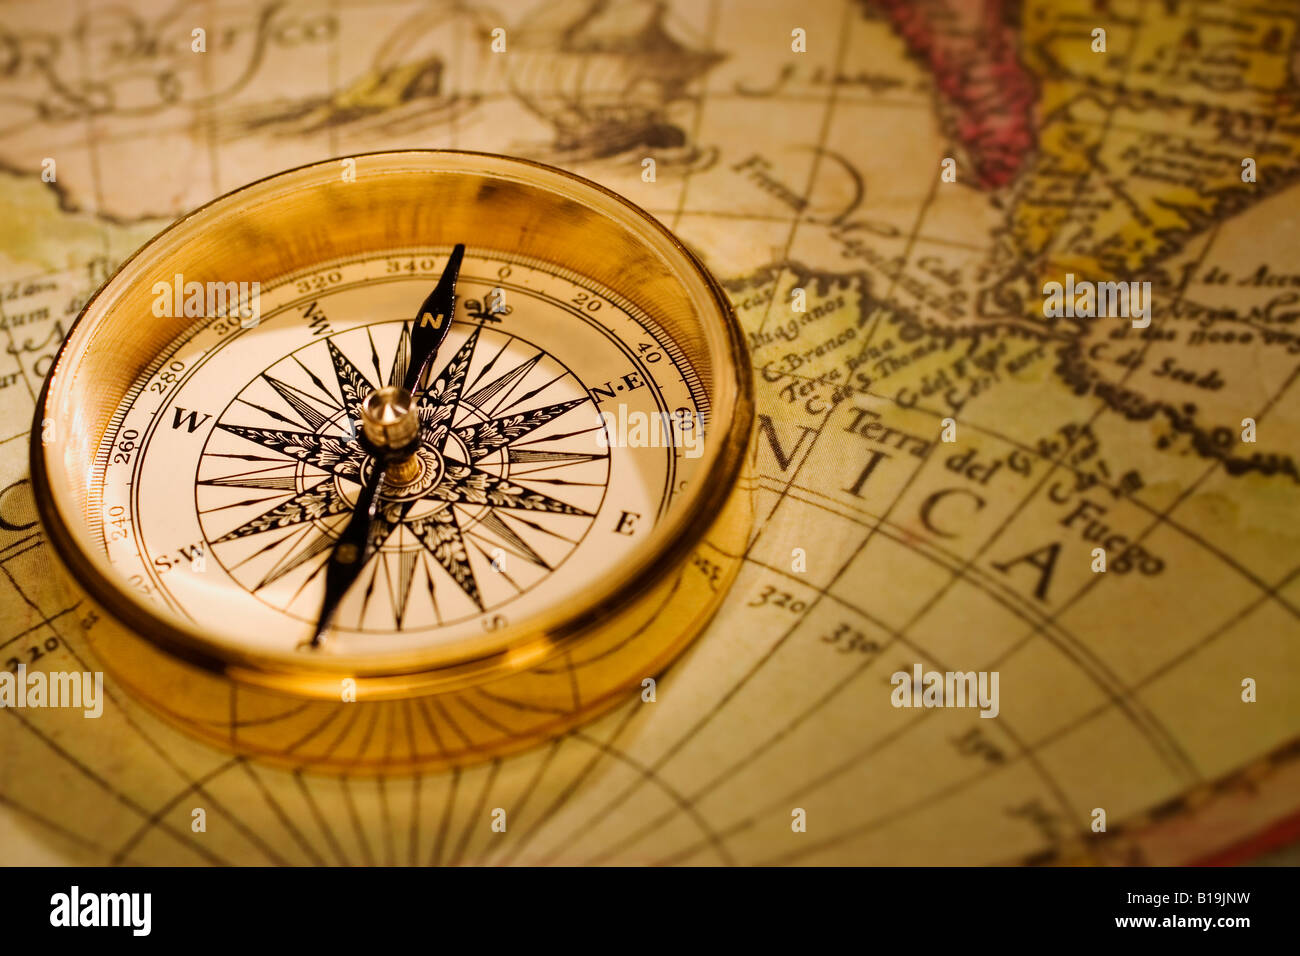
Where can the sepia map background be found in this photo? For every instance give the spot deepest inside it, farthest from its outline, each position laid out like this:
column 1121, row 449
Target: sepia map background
column 817, row 170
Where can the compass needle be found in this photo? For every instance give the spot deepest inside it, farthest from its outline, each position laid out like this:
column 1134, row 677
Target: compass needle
column 391, row 436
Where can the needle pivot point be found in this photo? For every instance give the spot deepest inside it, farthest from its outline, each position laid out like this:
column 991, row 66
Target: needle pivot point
column 389, row 421
column 390, row 425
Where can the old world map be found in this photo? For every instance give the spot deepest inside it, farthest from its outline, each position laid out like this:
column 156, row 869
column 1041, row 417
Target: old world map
column 915, row 171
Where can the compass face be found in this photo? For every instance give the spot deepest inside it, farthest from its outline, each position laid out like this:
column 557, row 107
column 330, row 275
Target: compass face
column 445, row 428
column 557, row 426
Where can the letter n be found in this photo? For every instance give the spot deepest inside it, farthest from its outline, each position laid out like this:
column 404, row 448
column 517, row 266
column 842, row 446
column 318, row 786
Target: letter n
column 768, row 431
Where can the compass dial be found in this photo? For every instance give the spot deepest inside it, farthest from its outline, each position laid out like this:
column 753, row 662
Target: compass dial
column 526, row 490
column 454, row 442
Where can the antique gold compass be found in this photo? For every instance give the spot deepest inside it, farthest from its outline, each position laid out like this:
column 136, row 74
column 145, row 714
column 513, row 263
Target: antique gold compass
column 397, row 462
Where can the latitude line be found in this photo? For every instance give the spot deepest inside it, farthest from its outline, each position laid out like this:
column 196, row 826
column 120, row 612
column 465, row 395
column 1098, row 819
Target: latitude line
column 701, row 100
column 721, row 703
column 435, row 858
column 788, row 485
column 530, row 788
column 1159, row 518
column 130, row 722
column 58, row 828
column 386, row 824
column 1077, row 195
column 566, row 793
column 319, row 817
column 895, row 634
column 467, row 832
column 915, row 617
column 815, row 165
column 771, row 651
column 1098, row 711
column 785, row 491
column 1158, row 522
column 1186, row 532
column 193, row 786
column 357, row 829
column 40, row 624
column 1040, row 744
column 684, row 804
column 121, row 798
column 417, row 791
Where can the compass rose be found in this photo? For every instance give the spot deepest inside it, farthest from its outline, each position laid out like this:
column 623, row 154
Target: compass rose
column 500, row 425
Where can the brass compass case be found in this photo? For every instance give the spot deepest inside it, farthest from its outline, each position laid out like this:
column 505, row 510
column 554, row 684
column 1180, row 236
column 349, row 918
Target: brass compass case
column 443, row 704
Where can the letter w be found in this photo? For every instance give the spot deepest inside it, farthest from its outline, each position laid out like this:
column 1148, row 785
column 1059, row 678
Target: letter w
column 191, row 421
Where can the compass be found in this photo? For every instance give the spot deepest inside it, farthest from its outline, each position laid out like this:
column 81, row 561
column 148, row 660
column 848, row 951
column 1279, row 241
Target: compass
column 399, row 462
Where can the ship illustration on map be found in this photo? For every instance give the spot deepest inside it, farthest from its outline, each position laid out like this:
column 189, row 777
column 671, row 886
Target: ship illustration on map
column 605, row 74
column 608, row 77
